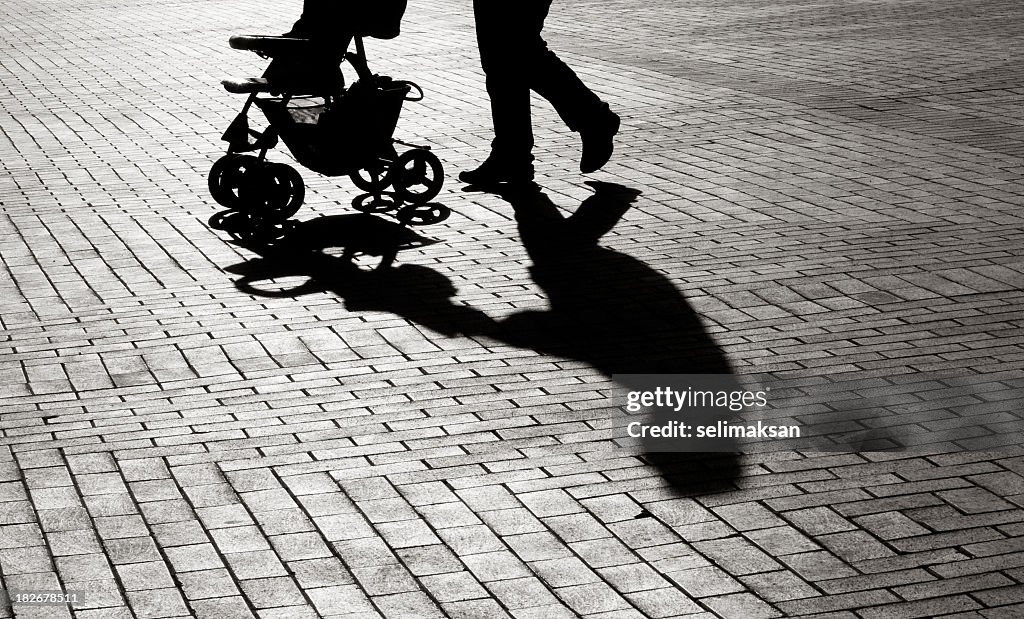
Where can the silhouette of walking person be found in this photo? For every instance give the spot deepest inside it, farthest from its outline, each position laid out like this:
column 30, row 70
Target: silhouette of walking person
column 516, row 59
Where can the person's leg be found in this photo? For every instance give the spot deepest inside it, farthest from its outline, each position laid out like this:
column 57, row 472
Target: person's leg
column 503, row 31
column 578, row 106
column 550, row 77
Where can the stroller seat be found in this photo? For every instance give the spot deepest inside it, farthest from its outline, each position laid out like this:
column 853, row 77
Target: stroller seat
column 298, row 66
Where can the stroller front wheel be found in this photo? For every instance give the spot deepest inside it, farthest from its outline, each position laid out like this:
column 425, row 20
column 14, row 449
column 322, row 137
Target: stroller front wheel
column 273, row 192
column 418, row 176
column 227, row 177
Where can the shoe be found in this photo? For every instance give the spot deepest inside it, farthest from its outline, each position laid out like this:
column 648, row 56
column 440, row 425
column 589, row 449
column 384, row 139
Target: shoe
column 597, row 142
column 494, row 171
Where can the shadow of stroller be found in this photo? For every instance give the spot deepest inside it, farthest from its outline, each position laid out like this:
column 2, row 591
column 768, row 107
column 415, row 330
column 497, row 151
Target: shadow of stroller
column 322, row 253
column 617, row 314
column 325, row 247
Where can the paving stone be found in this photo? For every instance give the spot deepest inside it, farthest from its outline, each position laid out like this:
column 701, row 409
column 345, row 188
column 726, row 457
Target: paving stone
column 663, row 603
column 157, row 603
column 633, row 578
column 327, row 600
column 233, row 607
column 778, row 586
column 141, row 576
column 606, row 552
column 591, row 598
column 343, row 527
column 737, row 556
column 64, row 543
column 289, row 612
column 255, row 564
column 705, row 581
column 206, row 584
column 577, row 527
column 470, row 540
column 298, row 546
column 453, row 587
column 131, row 550
column 193, row 557
column 740, row 605
column 474, row 609
column 408, row 605
column 784, row 540
column 239, row 539
column 427, row 560
column 369, row 552
column 320, row 573
column 179, row 534
column 521, row 593
column 271, row 592
column 224, row 516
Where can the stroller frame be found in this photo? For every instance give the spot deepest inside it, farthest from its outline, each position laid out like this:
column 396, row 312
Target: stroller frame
column 349, row 133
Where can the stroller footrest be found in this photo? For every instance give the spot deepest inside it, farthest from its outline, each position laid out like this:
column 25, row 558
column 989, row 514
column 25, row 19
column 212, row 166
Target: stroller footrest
column 271, row 46
column 246, row 85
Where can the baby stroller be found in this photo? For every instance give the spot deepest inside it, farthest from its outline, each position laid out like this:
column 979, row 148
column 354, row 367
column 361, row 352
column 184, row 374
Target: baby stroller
column 329, row 129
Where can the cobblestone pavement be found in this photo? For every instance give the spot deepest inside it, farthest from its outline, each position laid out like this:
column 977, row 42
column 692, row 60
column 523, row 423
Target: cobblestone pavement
column 192, row 429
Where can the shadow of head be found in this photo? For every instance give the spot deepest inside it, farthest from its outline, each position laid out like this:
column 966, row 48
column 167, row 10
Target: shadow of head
column 617, row 314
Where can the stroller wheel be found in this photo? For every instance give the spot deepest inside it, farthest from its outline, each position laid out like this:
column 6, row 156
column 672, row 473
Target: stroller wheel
column 372, row 179
column 418, row 176
column 273, row 191
column 225, row 179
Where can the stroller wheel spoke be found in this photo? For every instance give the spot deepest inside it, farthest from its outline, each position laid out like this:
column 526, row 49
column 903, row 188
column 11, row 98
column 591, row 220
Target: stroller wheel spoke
column 419, row 176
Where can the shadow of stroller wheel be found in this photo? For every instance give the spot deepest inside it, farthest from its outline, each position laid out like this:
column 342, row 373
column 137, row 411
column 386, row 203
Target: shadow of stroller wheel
column 230, row 221
column 252, row 230
column 383, row 202
column 423, row 214
column 219, row 220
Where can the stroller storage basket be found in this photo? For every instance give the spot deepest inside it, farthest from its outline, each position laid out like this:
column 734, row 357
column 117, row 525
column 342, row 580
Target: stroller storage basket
column 340, row 135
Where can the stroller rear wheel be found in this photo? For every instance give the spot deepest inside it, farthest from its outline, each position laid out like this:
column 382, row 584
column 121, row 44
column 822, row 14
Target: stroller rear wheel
column 418, row 176
column 273, row 192
column 372, row 179
column 226, row 179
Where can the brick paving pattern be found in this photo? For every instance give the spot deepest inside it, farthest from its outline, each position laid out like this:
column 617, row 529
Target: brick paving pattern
column 190, row 429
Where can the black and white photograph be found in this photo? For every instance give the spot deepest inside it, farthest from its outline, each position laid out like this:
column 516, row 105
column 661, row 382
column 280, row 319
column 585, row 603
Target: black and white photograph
column 533, row 309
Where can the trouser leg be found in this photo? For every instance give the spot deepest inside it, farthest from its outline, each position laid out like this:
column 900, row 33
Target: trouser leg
column 505, row 31
column 516, row 59
column 554, row 80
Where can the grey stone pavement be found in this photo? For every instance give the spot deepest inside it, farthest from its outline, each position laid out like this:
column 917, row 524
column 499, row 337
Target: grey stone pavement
column 190, row 429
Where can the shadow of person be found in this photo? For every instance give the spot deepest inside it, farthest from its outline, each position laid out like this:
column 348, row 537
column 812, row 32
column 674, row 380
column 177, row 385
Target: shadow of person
column 620, row 316
column 607, row 309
